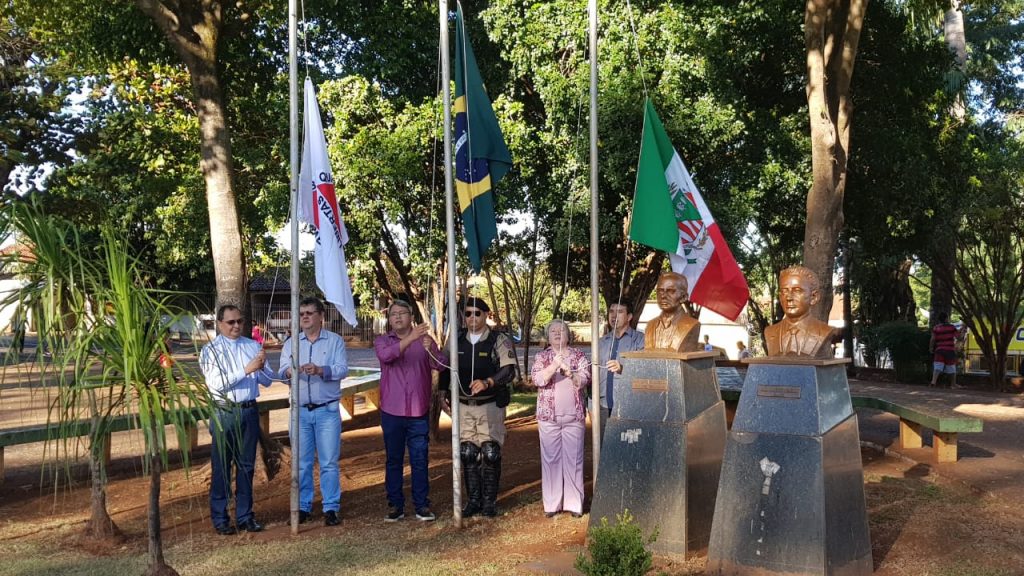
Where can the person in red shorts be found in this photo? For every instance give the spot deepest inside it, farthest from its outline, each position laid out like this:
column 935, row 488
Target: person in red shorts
column 943, row 347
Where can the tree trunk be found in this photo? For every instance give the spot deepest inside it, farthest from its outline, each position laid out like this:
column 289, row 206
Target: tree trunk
column 831, row 34
column 530, row 314
column 99, row 526
column 157, row 566
column 193, row 29
column 848, row 351
column 943, row 264
column 956, row 41
column 944, row 245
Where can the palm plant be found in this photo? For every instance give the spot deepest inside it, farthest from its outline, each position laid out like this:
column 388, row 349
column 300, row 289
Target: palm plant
column 106, row 332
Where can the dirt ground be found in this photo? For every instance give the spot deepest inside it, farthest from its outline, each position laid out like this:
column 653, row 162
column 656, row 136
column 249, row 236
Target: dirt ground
column 921, row 522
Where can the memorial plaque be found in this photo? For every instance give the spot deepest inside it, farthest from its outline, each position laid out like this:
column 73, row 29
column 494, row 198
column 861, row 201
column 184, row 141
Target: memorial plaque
column 779, row 391
column 645, row 385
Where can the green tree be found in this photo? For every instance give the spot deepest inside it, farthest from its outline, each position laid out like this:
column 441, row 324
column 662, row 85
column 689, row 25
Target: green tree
column 29, row 105
column 108, row 335
column 988, row 275
column 210, row 41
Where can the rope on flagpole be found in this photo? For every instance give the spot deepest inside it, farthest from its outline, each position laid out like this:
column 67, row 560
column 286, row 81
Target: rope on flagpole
column 627, row 243
column 305, row 33
column 277, row 269
column 427, row 275
column 569, row 206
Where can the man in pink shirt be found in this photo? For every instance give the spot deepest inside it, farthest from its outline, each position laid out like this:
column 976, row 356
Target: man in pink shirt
column 407, row 354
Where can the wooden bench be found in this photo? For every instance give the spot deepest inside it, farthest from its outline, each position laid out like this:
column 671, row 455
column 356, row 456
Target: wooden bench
column 366, row 383
column 944, row 423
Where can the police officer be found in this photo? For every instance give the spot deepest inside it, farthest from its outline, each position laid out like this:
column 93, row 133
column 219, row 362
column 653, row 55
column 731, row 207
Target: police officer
column 486, row 368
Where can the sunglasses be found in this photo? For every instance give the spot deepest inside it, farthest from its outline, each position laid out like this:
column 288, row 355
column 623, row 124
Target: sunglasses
column 470, row 313
column 233, row 322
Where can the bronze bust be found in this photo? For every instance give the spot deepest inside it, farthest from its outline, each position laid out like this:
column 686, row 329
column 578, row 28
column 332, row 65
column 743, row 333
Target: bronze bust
column 674, row 329
column 799, row 333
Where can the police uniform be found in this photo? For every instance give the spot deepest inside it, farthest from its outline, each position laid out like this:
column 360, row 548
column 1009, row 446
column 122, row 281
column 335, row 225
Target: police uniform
column 482, row 416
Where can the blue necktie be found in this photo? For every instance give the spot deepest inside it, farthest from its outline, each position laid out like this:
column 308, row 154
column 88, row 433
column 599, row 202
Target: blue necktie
column 609, row 383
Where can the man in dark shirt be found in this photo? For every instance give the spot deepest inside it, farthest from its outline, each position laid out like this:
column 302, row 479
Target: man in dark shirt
column 486, row 368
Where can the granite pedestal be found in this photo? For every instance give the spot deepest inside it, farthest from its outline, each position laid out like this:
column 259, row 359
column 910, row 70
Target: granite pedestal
column 662, row 449
column 791, row 495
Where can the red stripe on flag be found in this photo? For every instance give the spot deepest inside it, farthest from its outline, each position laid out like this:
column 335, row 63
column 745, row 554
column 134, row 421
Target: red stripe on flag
column 721, row 287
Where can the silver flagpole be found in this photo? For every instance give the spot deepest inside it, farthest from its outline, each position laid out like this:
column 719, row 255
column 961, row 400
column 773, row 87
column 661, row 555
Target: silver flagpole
column 595, row 372
column 453, row 334
column 293, row 108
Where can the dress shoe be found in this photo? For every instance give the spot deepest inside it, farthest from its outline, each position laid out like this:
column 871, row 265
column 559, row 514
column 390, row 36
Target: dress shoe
column 551, row 514
column 250, row 525
column 226, row 530
column 303, row 516
column 490, row 511
column 576, row 514
column 331, row 518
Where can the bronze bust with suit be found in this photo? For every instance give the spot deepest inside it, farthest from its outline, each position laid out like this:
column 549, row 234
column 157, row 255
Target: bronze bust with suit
column 674, row 329
column 799, row 333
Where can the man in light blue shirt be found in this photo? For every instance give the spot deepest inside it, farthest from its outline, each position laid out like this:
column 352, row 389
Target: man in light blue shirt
column 234, row 367
column 621, row 337
column 322, row 365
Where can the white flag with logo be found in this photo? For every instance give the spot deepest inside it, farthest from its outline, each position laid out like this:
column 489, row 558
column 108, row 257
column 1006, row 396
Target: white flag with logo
column 318, row 207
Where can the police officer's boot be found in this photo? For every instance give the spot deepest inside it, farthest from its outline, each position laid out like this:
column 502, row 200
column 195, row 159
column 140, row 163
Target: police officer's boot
column 491, row 471
column 469, row 453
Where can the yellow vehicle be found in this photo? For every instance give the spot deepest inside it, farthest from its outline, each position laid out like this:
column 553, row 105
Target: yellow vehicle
column 1014, row 354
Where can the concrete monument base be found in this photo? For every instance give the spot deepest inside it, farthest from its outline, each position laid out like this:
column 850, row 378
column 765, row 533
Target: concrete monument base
column 791, row 495
column 663, row 447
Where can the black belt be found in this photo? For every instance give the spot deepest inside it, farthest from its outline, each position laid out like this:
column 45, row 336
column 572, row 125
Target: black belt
column 477, row 401
column 310, row 406
column 242, row 405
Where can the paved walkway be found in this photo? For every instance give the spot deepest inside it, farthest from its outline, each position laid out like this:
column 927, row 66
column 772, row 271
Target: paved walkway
column 991, row 460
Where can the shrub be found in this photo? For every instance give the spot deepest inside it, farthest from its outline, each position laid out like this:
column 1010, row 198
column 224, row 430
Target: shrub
column 908, row 348
column 618, row 550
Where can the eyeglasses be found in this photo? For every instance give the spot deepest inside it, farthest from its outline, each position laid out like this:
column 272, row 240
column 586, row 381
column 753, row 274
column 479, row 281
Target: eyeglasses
column 398, row 313
column 304, row 313
column 235, row 322
column 470, row 313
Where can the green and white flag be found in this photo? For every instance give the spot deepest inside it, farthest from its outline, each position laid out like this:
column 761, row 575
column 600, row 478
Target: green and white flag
column 670, row 215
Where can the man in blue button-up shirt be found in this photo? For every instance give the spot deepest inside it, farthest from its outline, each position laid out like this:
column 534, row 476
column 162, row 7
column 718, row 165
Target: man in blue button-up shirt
column 234, row 367
column 322, row 366
column 621, row 337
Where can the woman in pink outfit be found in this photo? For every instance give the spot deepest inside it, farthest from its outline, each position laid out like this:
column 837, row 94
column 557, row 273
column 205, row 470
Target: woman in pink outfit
column 560, row 374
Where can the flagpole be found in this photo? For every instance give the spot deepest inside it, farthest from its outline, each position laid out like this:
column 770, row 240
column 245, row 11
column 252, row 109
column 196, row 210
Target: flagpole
column 453, row 345
column 595, row 372
column 293, row 109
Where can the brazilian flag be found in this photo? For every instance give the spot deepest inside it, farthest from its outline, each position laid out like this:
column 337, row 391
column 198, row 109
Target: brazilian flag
column 481, row 157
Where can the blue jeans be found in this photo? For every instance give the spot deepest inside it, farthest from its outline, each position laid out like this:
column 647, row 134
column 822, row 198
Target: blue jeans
column 235, row 432
column 400, row 432
column 319, row 432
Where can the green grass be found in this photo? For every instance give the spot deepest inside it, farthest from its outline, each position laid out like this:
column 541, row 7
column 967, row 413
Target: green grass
column 348, row 553
column 523, row 404
column 969, row 569
column 359, row 547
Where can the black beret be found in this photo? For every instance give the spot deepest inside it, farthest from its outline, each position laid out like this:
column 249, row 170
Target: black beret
column 478, row 303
